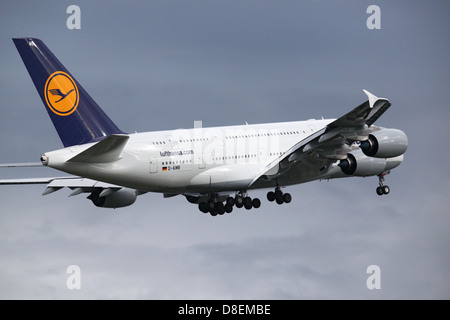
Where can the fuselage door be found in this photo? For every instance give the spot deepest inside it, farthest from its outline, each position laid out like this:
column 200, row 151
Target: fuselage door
column 199, row 161
column 153, row 165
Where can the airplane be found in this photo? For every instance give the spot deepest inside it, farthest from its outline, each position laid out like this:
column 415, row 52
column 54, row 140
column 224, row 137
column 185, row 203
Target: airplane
column 215, row 167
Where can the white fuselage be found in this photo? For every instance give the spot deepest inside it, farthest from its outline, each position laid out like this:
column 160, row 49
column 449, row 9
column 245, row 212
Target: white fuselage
column 198, row 160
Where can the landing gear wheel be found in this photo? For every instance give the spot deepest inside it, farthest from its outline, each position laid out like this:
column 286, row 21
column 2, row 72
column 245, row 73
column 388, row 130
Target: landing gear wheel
column 219, row 208
column 210, row 204
column 379, row 191
column 385, row 189
column 278, row 194
column 228, row 208
column 230, row 201
column 203, row 207
column 271, row 196
column 239, row 201
column 287, row 198
column 247, row 203
column 256, row 203
column 279, row 199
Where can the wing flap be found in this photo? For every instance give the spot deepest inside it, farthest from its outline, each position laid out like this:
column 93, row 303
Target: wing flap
column 49, row 190
column 81, row 185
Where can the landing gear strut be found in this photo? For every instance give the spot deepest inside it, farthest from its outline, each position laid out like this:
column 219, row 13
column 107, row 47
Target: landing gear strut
column 382, row 189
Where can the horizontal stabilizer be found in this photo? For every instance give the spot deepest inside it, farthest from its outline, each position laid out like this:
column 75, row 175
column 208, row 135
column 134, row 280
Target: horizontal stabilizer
column 107, row 150
column 21, row 165
column 30, row 180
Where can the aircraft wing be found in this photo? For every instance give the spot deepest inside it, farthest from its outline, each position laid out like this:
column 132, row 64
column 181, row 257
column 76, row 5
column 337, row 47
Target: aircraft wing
column 77, row 184
column 318, row 151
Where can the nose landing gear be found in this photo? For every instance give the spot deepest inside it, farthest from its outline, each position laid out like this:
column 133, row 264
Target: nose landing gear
column 382, row 189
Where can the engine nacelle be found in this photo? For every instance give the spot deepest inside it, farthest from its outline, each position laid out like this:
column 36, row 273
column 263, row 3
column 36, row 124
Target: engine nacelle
column 363, row 166
column 385, row 143
column 118, row 199
column 357, row 164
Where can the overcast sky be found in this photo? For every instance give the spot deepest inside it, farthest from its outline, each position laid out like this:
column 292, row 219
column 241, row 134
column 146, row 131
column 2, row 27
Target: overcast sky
column 163, row 64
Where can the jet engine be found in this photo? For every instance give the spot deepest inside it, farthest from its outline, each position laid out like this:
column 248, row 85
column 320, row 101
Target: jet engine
column 385, row 143
column 118, row 199
column 358, row 164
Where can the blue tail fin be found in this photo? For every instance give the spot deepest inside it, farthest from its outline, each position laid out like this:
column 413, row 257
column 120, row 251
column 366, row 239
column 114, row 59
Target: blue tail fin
column 75, row 115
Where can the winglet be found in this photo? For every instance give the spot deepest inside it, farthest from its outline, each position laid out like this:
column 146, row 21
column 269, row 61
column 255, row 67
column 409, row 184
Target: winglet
column 377, row 105
column 372, row 98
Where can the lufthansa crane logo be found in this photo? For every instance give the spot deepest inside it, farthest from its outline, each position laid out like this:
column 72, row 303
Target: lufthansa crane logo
column 61, row 93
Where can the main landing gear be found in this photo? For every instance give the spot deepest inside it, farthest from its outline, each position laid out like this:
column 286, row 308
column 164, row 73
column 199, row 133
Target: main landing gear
column 279, row 196
column 382, row 189
column 216, row 207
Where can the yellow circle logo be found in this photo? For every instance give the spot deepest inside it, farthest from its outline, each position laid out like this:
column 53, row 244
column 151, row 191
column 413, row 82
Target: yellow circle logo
column 61, row 93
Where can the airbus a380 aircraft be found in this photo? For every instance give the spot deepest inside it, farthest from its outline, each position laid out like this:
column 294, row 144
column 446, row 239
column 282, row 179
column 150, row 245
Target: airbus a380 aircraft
column 212, row 167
